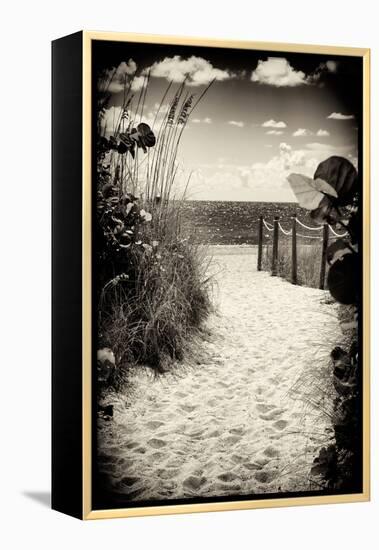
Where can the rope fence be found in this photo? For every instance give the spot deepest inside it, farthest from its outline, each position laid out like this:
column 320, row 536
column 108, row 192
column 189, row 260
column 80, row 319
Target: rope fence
column 327, row 233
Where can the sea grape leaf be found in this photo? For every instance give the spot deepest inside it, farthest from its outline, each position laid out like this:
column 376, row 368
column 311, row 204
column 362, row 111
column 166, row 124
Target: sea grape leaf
column 341, row 175
column 343, row 279
column 143, row 136
column 305, row 192
column 325, row 212
column 324, row 187
column 336, row 251
column 146, row 134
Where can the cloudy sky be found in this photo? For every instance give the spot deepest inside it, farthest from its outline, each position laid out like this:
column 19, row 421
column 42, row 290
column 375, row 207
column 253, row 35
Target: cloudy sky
column 266, row 114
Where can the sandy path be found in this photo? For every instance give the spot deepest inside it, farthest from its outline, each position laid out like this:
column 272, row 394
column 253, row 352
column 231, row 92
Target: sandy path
column 232, row 425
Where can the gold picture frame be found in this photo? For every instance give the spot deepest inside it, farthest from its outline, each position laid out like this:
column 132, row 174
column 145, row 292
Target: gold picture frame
column 87, row 512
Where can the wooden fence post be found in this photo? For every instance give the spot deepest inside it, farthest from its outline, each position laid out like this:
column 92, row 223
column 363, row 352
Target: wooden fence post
column 294, row 252
column 275, row 247
column 325, row 239
column 260, row 243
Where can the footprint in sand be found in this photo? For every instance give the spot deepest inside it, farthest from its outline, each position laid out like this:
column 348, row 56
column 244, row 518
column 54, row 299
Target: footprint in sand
column 271, row 415
column 187, row 408
column 157, row 455
column 237, row 459
column 129, row 481
column 262, row 407
column 271, row 452
column 140, row 450
column 168, row 473
column 154, row 424
column 215, row 433
column 252, row 466
column 281, row 424
column 181, row 394
column 232, row 439
column 157, row 443
column 194, row 483
column 227, row 477
column 261, row 461
column 131, row 445
column 237, row 431
column 265, row 476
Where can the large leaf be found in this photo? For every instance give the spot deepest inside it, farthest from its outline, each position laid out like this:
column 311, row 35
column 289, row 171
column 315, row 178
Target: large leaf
column 146, row 134
column 341, row 175
column 343, row 279
column 310, row 192
column 324, row 187
column 305, row 192
column 143, row 136
column 336, row 251
column 325, row 212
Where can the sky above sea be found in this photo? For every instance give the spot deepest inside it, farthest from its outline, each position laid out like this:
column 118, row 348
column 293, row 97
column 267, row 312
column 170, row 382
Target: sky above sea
column 266, row 114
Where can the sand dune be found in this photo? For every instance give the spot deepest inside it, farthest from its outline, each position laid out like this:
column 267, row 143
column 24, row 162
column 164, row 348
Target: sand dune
column 237, row 423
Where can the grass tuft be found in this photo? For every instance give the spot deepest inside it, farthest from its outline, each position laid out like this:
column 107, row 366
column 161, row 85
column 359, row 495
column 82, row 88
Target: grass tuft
column 308, row 262
column 152, row 296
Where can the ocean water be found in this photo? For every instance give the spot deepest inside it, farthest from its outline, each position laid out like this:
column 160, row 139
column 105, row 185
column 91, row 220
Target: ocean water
column 218, row 222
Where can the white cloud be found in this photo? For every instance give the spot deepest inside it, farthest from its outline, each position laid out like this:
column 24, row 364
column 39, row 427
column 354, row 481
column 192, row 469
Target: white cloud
column 121, row 75
column 126, row 68
column 238, row 123
column 322, row 133
column 283, row 146
column 340, row 116
column 315, row 146
column 302, row 132
column 274, row 132
column 273, row 124
column 205, row 120
column 137, row 83
column 197, row 70
column 326, row 150
column 276, row 71
column 263, row 180
column 270, row 177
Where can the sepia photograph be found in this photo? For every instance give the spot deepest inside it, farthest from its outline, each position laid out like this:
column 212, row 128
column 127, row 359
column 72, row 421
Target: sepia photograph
column 227, row 274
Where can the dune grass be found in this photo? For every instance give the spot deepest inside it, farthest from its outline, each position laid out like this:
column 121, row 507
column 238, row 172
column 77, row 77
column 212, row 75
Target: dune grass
column 308, row 262
column 153, row 294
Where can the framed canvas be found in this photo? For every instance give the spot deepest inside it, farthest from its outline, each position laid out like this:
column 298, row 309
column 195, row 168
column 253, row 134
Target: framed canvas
column 210, row 275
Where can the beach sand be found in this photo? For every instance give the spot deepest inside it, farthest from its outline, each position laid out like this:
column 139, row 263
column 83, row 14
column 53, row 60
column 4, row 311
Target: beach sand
column 240, row 422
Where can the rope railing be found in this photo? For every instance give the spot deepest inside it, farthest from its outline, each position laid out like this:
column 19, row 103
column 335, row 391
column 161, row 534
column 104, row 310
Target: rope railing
column 336, row 234
column 328, row 233
column 267, row 225
column 307, row 226
column 287, row 233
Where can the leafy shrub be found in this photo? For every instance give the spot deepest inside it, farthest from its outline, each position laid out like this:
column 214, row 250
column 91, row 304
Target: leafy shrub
column 152, row 288
column 332, row 197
